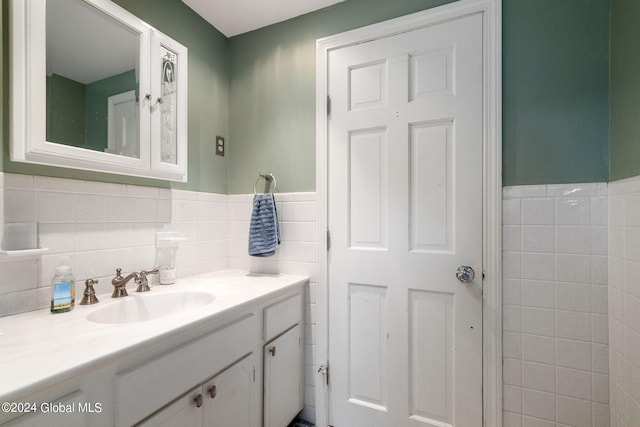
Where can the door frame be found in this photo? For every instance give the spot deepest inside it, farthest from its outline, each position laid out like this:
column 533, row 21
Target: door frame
column 492, row 187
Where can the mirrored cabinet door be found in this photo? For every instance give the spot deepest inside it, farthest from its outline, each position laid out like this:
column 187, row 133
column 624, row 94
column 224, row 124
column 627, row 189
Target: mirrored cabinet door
column 168, row 116
column 105, row 93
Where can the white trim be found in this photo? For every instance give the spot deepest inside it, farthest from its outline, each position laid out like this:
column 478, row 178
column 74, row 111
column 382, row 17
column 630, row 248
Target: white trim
column 158, row 41
column 492, row 186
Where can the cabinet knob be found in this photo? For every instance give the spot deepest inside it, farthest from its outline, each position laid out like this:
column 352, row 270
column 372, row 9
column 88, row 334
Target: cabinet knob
column 198, row 400
column 213, row 390
column 272, row 350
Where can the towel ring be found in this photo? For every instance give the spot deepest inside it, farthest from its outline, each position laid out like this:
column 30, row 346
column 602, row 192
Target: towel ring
column 267, row 176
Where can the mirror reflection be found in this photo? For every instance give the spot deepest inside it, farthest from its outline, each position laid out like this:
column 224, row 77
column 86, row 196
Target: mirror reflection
column 92, row 80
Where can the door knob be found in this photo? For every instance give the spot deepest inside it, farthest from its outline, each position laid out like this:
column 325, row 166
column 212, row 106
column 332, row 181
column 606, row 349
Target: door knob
column 465, row 274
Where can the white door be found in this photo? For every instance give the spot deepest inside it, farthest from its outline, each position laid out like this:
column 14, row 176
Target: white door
column 405, row 211
column 122, row 135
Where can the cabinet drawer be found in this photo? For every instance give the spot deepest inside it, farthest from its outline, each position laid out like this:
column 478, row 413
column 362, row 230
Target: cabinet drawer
column 282, row 315
column 143, row 389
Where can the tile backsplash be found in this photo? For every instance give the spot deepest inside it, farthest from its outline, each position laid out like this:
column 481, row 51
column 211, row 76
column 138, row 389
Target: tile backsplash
column 96, row 227
column 555, row 324
column 92, row 226
column 624, row 301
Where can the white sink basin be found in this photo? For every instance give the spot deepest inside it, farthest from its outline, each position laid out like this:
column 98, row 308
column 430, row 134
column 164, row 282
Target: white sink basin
column 149, row 306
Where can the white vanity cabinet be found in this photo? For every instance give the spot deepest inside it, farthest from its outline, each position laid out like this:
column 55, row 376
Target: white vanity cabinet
column 283, row 357
column 165, row 388
column 40, row 415
column 77, row 402
column 255, row 379
column 283, row 396
column 236, row 362
column 182, row 412
column 225, row 400
column 230, row 397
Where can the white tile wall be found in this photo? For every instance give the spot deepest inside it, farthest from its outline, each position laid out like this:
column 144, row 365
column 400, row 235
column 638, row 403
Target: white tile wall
column 555, row 349
column 624, row 302
column 97, row 227
column 297, row 254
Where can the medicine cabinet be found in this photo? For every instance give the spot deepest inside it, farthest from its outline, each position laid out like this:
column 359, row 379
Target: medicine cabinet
column 93, row 87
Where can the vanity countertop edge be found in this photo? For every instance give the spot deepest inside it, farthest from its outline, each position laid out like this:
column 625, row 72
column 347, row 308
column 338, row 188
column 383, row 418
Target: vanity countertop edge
column 40, row 349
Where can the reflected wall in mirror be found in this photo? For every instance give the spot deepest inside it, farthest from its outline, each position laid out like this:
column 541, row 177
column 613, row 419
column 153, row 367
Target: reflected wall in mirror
column 92, row 79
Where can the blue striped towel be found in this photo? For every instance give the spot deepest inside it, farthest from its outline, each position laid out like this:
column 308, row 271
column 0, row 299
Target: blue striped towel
column 264, row 232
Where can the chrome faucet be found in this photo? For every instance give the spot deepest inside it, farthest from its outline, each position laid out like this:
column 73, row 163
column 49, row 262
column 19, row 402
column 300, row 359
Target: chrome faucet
column 119, row 283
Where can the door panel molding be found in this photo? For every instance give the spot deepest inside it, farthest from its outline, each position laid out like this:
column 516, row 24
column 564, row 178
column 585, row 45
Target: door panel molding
column 492, row 184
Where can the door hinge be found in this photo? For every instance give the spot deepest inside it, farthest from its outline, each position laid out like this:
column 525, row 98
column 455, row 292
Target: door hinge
column 328, row 105
column 324, row 370
column 328, row 240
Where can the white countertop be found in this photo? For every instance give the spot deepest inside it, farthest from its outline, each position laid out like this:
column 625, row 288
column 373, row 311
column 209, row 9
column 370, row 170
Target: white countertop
column 40, row 348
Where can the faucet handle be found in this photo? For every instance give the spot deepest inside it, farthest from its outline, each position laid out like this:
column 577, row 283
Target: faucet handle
column 143, row 283
column 144, row 273
column 89, row 293
column 118, row 273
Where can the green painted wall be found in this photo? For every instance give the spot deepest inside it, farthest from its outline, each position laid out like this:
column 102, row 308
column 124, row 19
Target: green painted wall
column 272, row 91
column 625, row 89
column 65, row 110
column 555, row 91
column 258, row 90
column 208, row 97
column 77, row 114
column 97, row 106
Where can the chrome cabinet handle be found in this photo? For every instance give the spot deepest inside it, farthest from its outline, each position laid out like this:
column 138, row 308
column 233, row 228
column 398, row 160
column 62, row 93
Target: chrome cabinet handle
column 465, row 274
column 213, row 391
column 198, row 400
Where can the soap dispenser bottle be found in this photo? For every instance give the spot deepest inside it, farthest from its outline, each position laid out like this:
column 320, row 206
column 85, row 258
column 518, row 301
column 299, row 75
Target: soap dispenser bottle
column 63, row 290
column 166, row 248
column 167, row 264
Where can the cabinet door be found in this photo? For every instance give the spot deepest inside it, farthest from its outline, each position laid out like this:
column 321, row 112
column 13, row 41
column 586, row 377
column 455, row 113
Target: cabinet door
column 169, row 106
column 283, row 396
column 230, row 396
column 183, row 412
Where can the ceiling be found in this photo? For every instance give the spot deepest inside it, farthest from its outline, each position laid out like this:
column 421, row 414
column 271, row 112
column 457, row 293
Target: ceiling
column 93, row 48
column 233, row 17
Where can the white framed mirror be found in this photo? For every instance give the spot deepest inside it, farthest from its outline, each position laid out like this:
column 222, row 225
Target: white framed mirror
column 93, row 87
